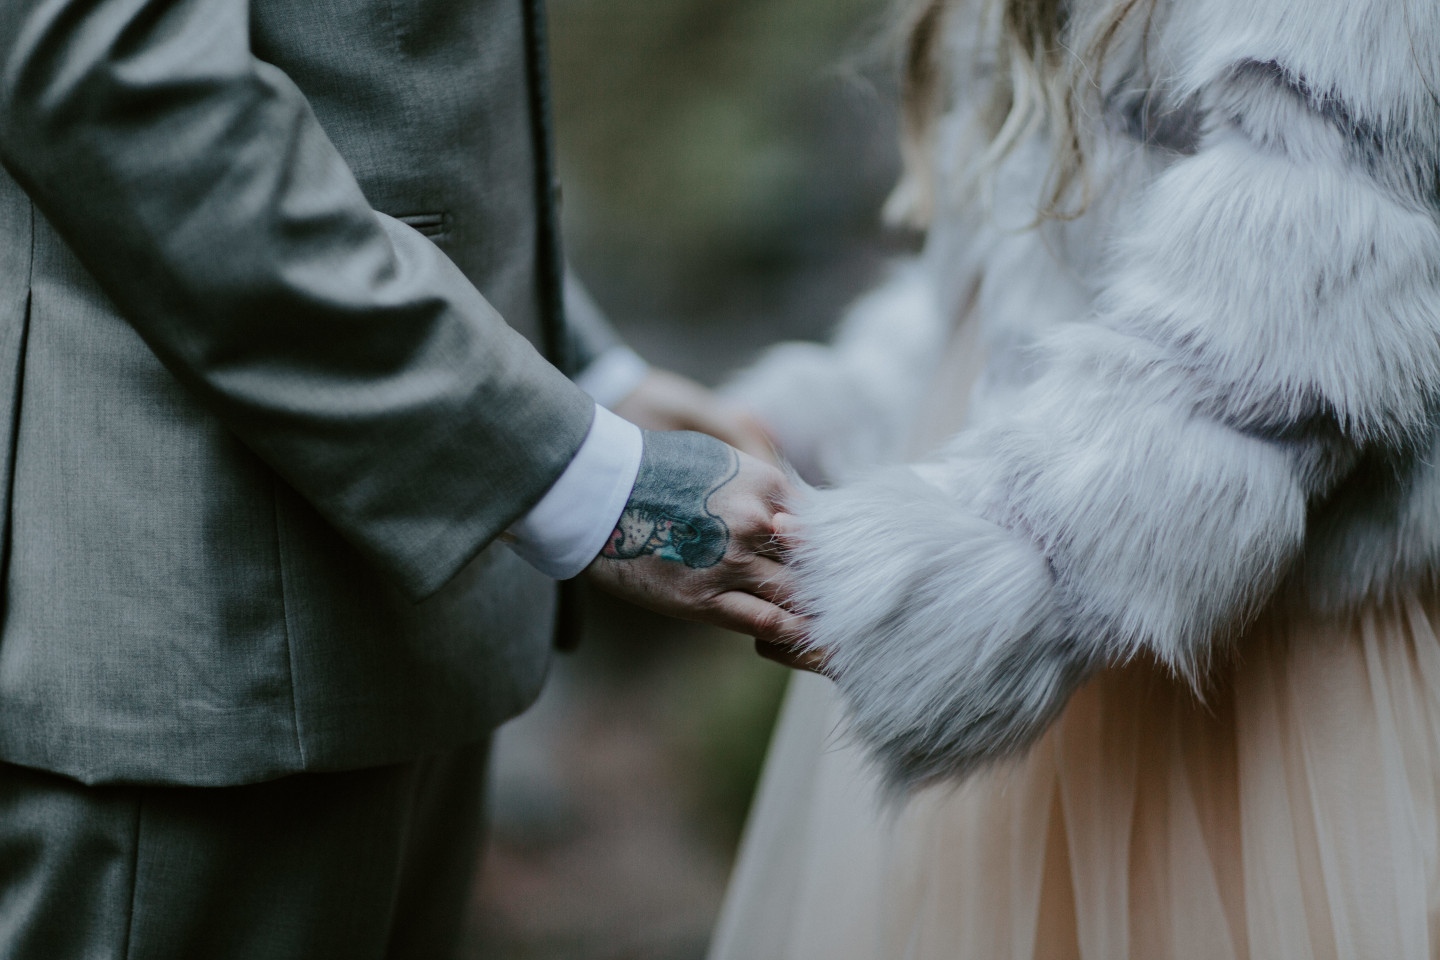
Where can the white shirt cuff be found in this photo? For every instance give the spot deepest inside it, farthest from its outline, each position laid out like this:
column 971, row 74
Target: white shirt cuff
column 612, row 376
column 568, row 527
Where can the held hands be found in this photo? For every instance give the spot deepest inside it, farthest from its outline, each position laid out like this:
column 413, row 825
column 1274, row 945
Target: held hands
column 749, row 590
column 697, row 539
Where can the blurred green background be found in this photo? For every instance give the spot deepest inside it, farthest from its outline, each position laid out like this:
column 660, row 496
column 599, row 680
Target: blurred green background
column 724, row 163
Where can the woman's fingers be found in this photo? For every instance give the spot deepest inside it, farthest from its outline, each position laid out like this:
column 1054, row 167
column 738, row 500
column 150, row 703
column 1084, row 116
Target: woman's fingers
column 780, row 537
column 787, row 531
column 770, row 549
column 737, row 428
column 667, row 401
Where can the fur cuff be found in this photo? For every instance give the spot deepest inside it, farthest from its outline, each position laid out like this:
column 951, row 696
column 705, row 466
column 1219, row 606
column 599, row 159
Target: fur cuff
column 942, row 628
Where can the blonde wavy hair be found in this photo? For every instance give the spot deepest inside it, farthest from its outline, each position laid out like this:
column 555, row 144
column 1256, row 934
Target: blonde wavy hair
column 1043, row 74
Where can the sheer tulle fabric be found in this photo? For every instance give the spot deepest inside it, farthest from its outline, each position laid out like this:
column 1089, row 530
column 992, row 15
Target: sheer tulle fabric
column 1290, row 816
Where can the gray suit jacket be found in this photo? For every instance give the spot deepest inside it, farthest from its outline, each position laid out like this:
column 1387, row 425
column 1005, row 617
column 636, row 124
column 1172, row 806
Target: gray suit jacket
column 260, row 415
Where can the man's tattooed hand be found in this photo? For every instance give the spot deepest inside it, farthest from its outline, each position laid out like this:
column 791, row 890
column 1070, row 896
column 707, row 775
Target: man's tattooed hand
column 697, row 538
column 668, row 514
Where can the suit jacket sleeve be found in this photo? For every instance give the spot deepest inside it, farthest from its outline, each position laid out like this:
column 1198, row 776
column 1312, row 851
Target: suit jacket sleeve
column 1273, row 310
column 196, row 185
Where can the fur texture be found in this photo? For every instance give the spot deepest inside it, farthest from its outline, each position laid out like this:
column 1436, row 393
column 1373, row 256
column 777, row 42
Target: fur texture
column 833, row 408
column 1240, row 394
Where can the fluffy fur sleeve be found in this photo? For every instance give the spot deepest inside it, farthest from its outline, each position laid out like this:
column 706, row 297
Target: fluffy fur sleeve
column 1273, row 311
column 851, row 402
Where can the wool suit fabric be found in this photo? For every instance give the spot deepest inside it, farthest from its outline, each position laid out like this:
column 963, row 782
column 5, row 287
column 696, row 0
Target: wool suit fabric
column 266, row 397
column 273, row 276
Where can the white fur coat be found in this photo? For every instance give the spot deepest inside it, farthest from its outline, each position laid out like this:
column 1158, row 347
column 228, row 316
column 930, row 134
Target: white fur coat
column 1219, row 383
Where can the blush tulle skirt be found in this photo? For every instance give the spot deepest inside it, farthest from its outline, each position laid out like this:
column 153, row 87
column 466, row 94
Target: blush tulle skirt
column 1291, row 815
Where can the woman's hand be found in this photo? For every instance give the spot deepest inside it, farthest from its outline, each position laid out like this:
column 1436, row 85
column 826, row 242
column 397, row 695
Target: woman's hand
column 668, row 401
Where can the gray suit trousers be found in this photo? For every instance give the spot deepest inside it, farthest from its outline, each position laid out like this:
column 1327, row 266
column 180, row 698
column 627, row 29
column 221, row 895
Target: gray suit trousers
column 371, row 864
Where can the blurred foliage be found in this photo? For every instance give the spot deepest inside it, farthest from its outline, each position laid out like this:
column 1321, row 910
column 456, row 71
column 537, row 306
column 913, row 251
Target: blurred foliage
column 709, row 699
column 693, row 113
column 725, row 706
column 720, row 155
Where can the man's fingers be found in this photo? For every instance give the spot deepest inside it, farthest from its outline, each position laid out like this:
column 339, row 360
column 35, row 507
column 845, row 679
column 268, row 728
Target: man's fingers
column 787, row 655
column 761, row 574
column 770, row 580
column 749, row 614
